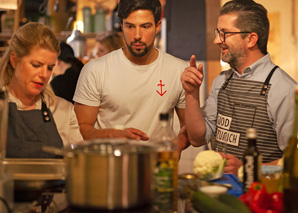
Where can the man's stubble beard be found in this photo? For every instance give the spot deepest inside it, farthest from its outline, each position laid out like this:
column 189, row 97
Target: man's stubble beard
column 232, row 59
column 141, row 53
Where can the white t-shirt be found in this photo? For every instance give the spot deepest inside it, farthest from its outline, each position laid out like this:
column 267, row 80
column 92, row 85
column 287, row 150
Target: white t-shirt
column 131, row 95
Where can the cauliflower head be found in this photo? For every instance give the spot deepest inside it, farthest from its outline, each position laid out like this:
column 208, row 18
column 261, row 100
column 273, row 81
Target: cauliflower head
column 209, row 165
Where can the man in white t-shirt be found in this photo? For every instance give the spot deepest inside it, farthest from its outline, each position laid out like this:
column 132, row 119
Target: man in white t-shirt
column 131, row 86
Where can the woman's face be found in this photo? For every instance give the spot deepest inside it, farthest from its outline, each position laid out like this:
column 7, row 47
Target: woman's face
column 32, row 72
column 101, row 49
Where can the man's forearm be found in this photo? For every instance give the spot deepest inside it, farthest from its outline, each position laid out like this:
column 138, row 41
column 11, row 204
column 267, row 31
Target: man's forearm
column 194, row 121
column 89, row 132
column 183, row 141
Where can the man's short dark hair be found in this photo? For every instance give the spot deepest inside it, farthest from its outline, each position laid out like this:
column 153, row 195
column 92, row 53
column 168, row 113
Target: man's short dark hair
column 252, row 17
column 126, row 7
column 67, row 53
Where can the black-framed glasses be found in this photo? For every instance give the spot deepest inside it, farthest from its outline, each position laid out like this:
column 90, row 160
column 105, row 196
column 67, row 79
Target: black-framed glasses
column 222, row 34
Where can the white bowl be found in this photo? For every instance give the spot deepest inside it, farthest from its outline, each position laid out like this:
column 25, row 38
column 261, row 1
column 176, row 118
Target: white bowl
column 213, row 191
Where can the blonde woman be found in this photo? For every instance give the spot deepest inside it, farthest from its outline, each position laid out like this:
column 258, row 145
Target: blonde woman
column 36, row 116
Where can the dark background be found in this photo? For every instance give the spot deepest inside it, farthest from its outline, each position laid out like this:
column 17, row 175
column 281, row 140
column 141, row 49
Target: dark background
column 186, row 28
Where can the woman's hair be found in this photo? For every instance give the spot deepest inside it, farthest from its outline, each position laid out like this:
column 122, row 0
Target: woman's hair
column 26, row 38
column 112, row 40
column 126, row 7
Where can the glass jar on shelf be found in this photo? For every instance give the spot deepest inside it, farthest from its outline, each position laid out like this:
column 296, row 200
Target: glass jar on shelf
column 7, row 22
column 99, row 21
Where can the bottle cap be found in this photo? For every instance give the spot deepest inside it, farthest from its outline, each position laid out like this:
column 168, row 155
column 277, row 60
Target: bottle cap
column 251, row 133
column 164, row 116
column 271, row 169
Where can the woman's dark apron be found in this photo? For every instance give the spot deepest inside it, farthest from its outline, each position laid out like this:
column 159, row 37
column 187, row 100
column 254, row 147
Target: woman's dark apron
column 29, row 130
column 243, row 104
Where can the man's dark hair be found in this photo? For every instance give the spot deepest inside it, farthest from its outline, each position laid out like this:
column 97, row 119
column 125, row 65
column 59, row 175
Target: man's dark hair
column 67, row 53
column 252, row 17
column 126, row 7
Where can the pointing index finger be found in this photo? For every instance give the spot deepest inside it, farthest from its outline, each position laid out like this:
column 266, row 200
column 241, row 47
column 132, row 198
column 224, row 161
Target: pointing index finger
column 192, row 61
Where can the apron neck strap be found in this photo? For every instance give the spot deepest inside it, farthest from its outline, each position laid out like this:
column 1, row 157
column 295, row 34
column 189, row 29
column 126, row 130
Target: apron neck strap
column 227, row 81
column 266, row 83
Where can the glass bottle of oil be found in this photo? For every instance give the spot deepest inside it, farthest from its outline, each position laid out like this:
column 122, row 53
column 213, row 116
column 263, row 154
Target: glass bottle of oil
column 166, row 168
column 290, row 173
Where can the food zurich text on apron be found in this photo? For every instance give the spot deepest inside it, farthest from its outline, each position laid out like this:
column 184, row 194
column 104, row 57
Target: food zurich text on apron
column 29, row 130
column 243, row 104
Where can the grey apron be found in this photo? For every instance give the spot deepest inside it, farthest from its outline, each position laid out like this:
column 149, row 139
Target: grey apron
column 243, row 104
column 29, row 130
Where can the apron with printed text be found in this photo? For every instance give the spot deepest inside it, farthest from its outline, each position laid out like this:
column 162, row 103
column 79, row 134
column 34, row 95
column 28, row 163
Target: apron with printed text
column 29, row 130
column 243, row 104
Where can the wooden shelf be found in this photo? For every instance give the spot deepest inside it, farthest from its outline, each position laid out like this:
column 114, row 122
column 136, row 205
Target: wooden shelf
column 5, row 36
column 62, row 36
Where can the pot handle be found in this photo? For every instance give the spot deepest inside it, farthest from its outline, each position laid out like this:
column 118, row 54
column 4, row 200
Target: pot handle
column 57, row 151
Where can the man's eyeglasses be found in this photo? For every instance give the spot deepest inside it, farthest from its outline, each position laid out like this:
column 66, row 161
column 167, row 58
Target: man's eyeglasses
column 222, row 34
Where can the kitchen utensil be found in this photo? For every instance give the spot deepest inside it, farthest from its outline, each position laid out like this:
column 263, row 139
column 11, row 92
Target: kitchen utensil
column 78, row 43
column 108, row 173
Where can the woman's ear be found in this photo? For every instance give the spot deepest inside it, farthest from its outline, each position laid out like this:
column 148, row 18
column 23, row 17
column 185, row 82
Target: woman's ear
column 252, row 39
column 13, row 59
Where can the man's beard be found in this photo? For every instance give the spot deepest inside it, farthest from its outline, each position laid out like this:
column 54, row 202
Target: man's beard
column 232, row 58
column 140, row 53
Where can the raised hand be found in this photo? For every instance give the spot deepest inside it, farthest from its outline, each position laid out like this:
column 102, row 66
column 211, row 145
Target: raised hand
column 192, row 77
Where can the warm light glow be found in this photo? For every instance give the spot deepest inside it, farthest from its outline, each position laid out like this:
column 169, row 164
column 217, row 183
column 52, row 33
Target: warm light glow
column 117, row 153
column 8, row 4
column 79, row 26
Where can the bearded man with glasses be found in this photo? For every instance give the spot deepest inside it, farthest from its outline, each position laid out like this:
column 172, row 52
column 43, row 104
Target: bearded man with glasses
column 254, row 92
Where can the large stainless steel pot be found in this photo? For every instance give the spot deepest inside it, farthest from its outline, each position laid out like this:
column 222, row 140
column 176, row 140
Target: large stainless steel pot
column 109, row 174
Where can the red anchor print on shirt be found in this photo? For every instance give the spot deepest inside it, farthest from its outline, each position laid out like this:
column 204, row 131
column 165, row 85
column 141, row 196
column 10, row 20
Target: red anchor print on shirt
column 161, row 85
